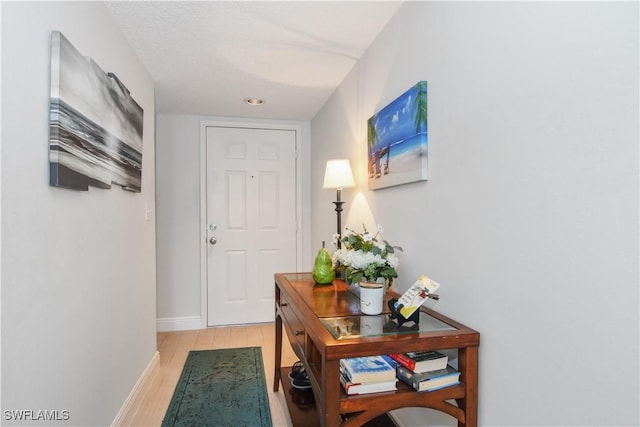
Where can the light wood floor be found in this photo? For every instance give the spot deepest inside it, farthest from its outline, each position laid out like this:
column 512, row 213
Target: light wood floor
column 174, row 348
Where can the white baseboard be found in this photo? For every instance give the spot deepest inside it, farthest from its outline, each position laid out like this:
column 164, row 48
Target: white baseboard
column 395, row 419
column 146, row 382
column 168, row 324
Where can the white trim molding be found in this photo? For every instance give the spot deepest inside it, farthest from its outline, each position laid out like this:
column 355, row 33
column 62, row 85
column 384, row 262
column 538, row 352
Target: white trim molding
column 187, row 323
column 149, row 379
column 303, row 216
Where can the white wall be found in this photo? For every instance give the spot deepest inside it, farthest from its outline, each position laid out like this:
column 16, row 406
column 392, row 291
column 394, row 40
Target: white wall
column 530, row 217
column 178, row 216
column 180, row 305
column 78, row 277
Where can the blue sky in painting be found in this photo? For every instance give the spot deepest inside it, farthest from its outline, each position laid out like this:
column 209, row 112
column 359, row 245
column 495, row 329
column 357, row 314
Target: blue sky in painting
column 395, row 122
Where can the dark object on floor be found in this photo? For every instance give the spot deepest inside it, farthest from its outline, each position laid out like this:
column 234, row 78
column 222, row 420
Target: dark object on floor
column 302, row 397
column 298, row 376
column 302, row 406
column 224, row 387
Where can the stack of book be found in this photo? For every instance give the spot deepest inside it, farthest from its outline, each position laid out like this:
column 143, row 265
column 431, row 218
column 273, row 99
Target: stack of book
column 425, row 370
column 362, row 375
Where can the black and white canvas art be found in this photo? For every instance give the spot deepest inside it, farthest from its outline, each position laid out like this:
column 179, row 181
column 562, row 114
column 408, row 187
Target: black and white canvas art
column 95, row 128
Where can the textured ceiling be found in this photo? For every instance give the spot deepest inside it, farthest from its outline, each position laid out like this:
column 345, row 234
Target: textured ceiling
column 206, row 57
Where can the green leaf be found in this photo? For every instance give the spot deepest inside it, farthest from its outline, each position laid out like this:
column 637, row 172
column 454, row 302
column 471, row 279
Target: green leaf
column 357, row 277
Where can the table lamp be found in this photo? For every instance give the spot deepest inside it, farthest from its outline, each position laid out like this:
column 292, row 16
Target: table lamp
column 338, row 175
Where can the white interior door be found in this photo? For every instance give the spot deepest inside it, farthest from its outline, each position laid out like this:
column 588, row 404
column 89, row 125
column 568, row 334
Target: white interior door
column 251, row 221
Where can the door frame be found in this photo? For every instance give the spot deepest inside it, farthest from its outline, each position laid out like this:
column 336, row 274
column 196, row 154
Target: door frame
column 302, row 197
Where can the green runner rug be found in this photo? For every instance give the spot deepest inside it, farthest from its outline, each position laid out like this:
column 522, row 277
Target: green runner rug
column 224, row 387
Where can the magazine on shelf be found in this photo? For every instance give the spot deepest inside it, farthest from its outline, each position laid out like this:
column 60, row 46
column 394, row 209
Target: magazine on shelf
column 367, row 369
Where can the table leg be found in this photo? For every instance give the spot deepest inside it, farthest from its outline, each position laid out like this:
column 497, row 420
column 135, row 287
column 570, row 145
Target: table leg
column 278, row 353
column 331, row 386
column 468, row 366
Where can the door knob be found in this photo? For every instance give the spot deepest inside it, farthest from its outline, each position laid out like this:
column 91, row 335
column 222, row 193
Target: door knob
column 213, row 240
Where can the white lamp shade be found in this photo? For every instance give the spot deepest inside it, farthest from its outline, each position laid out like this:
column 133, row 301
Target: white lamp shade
column 338, row 174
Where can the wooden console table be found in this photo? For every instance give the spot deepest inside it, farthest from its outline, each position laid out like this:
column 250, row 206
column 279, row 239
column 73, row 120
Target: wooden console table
column 324, row 324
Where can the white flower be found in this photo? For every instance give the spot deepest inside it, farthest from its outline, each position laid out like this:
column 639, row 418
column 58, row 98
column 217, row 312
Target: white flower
column 361, row 260
column 338, row 255
column 365, row 255
column 380, row 229
column 392, row 259
column 334, row 239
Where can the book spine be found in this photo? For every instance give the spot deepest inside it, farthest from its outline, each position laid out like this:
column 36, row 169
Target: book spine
column 350, row 376
column 390, row 360
column 405, row 375
column 345, row 382
column 345, row 374
column 344, row 370
column 404, row 360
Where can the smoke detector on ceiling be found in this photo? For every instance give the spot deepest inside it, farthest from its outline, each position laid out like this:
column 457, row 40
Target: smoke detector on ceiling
column 254, row 101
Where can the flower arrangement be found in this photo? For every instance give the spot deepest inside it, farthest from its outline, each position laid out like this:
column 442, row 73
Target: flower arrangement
column 365, row 257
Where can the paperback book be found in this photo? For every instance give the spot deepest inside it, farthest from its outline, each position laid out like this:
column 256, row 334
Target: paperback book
column 367, row 369
column 429, row 381
column 421, row 361
column 365, row 388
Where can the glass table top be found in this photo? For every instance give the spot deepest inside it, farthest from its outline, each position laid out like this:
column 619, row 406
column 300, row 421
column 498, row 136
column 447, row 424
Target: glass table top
column 373, row 326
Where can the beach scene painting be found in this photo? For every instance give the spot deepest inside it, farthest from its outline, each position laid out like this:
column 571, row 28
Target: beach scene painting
column 397, row 140
column 95, row 126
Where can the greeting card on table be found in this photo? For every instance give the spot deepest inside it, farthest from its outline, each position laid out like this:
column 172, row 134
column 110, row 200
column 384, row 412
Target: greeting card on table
column 416, row 295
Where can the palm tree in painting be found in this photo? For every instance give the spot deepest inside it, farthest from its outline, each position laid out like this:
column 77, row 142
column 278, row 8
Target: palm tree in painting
column 372, row 139
column 420, row 107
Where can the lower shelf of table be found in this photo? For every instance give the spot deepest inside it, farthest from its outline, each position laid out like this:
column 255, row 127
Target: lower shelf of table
column 302, row 406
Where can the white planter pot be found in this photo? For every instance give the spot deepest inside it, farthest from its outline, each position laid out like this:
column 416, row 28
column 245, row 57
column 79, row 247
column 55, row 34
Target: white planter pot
column 372, row 297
